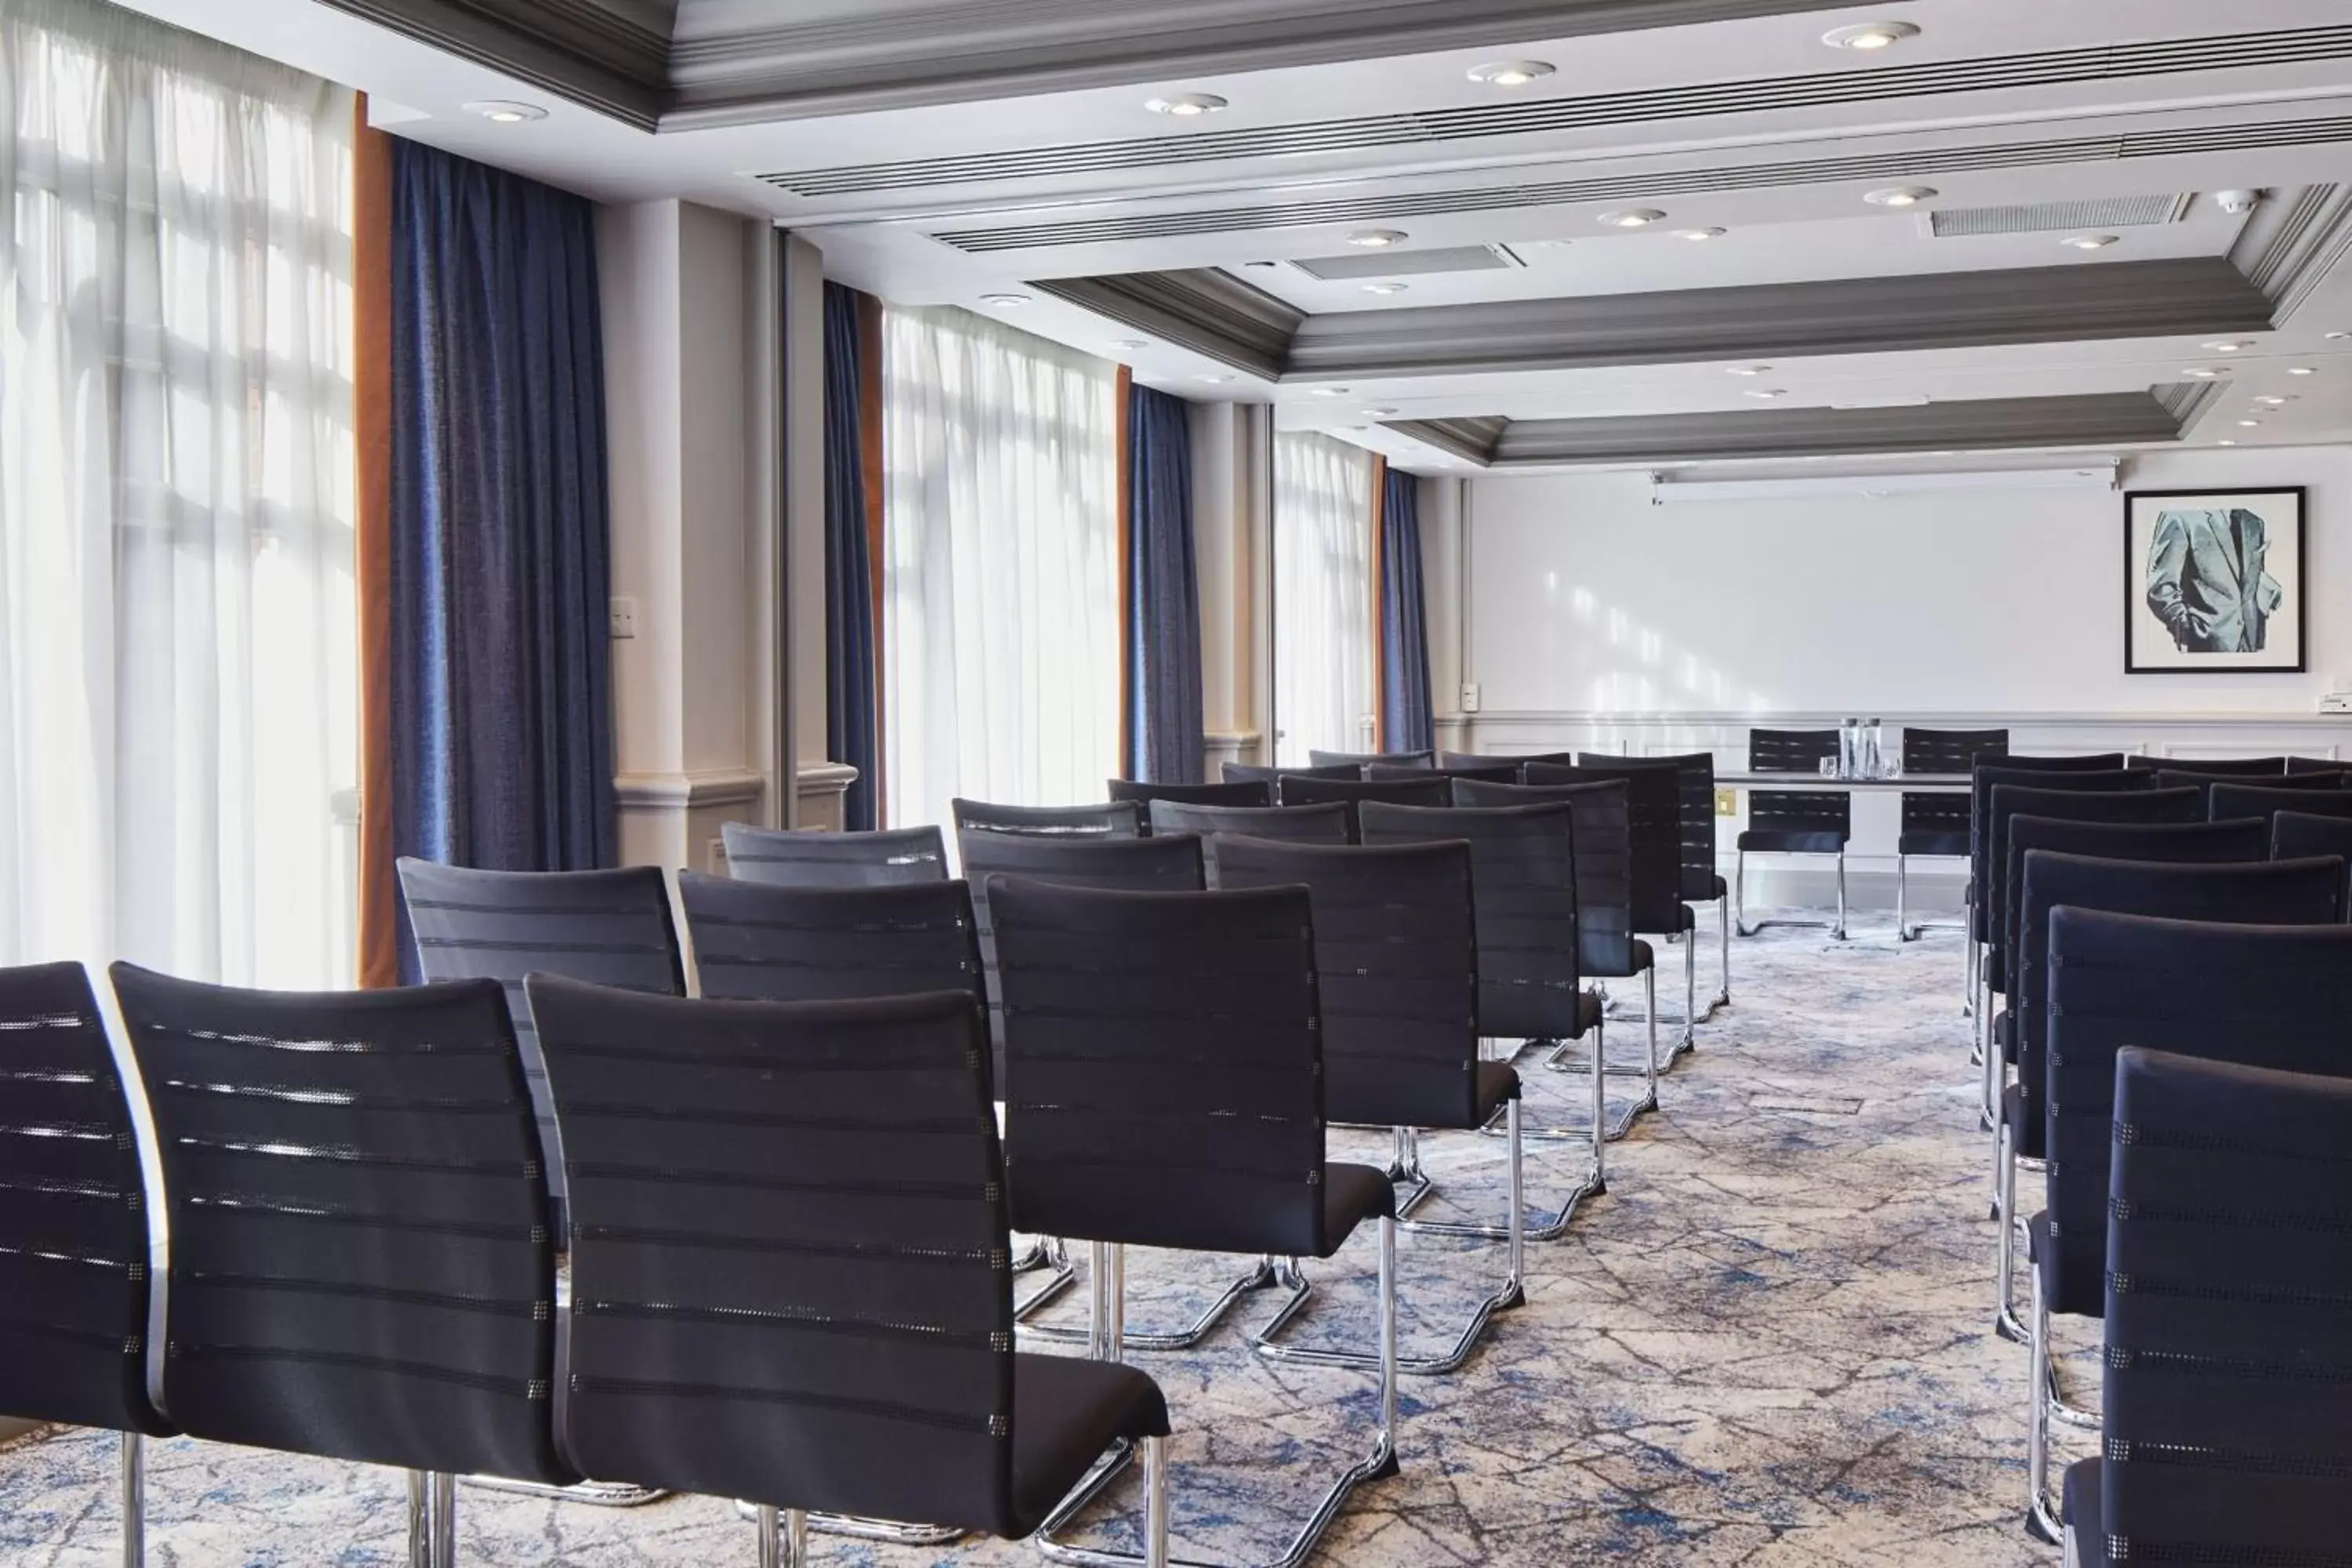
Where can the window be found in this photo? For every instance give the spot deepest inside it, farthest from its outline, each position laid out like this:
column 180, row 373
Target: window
column 1323, row 629
column 1000, row 623
column 177, row 705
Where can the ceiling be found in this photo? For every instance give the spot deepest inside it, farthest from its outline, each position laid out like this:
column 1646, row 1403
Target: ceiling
column 945, row 152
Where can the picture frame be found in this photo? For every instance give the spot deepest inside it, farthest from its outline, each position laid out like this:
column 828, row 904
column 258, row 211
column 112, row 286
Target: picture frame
column 2190, row 606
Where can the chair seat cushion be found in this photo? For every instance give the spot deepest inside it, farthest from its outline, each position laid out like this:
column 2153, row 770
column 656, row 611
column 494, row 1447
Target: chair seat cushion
column 1352, row 1195
column 1498, row 1083
column 2078, row 1292
column 1645, row 957
column 2086, row 1514
column 1066, row 1411
column 2024, row 1122
column 1953, row 842
column 1792, row 841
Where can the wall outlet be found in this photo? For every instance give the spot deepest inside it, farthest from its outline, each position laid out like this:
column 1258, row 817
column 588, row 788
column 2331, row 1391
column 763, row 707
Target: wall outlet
column 1726, row 802
column 1469, row 699
column 622, row 621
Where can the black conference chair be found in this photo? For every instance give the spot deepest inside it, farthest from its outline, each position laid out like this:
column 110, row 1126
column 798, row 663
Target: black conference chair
column 1330, row 824
column 1494, row 773
column 1456, row 761
column 610, row 927
column 1249, row 773
column 2228, row 1436
column 1792, row 822
column 2315, row 765
column 1396, row 968
column 2295, row 834
column 74, row 1258
column 2219, row 767
column 807, row 859
column 1369, row 758
column 362, row 1263
column 1429, row 788
column 2185, row 778
column 2015, row 764
column 1607, row 948
column 2226, row 802
column 2019, row 1130
column 2265, row 994
column 1703, row 883
column 1654, row 801
column 1245, row 793
column 1167, row 1081
column 1530, row 978
column 1111, row 819
column 756, row 942
column 1936, row 822
column 793, row 1273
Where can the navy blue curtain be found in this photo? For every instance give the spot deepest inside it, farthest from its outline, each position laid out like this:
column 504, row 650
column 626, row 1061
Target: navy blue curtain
column 1405, row 719
column 1163, row 594
column 849, row 722
column 501, row 706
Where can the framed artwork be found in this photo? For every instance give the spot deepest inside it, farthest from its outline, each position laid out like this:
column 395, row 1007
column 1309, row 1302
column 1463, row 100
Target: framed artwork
column 2213, row 582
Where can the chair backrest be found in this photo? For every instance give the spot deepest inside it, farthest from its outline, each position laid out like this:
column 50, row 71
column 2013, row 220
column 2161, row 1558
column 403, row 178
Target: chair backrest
column 1111, row 819
column 791, row 1279
column 2009, row 801
column 757, row 942
column 2264, row 987
column 1397, row 964
column 1653, row 805
column 1523, row 889
column 815, row 859
column 73, row 1218
column 2227, row 800
column 1604, row 862
column 1332, row 823
column 1249, row 772
column 2184, row 778
column 1984, row 924
column 1694, row 776
column 1494, row 773
column 2315, row 765
column 2295, row 834
column 2089, row 762
column 363, row 1255
column 1944, row 811
column 1949, row 751
column 1428, row 788
column 1458, row 760
column 2216, row 767
column 1165, row 1066
column 1239, row 792
column 1367, row 759
column 1790, row 751
column 2226, row 1433
column 608, row 928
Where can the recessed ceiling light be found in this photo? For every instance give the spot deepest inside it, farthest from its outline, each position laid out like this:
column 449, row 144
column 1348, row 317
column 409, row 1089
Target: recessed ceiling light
column 1186, row 105
column 1378, row 413
column 2225, row 441
column 1261, row 264
column 1214, row 379
column 1768, row 393
column 1510, row 73
column 2202, row 372
column 1750, row 369
column 1376, row 238
column 2339, row 337
column 2228, row 346
column 1900, row 195
column 2090, row 241
column 1542, row 244
column 1700, row 233
column 2275, row 402
column 2250, row 424
column 1870, row 37
column 1328, row 391
column 2301, row 369
column 1384, row 288
column 1632, row 217
column 1005, row 302
column 1129, row 345
column 505, row 112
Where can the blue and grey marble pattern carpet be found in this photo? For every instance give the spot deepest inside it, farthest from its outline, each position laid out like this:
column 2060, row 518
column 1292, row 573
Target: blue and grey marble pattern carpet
column 1769, row 1344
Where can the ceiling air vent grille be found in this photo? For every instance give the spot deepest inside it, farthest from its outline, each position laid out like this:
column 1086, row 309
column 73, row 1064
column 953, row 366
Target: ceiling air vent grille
column 1626, row 188
column 2040, row 218
column 1710, row 100
column 1408, row 263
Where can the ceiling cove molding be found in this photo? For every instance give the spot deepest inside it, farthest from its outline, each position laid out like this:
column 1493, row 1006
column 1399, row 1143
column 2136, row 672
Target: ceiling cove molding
column 2294, row 242
column 1869, row 315
column 2004, row 424
column 1208, row 312
column 1473, row 439
column 722, row 74
column 1925, row 80
column 610, row 56
column 2188, row 401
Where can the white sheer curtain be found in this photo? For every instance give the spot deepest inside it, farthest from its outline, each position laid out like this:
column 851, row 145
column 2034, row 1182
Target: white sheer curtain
column 1323, row 633
column 1001, row 616
column 176, row 684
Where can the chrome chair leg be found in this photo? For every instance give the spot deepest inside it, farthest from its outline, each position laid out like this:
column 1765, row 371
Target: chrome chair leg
column 1835, row 928
column 2004, row 1318
column 1903, row 931
column 445, row 1520
column 1155, row 1502
column 1613, row 1131
column 1841, row 919
column 1259, row 1276
column 1968, row 973
column 1739, row 895
column 2040, row 1521
column 131, row 1450
column 783, row 1538
column 420, row 1516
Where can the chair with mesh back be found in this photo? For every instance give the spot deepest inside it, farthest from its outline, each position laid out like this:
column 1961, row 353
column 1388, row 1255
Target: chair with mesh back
column 74, row 1276
column 1653, row 803
column 2266, row 989
column 2228, row 802
column 1111, row 819
column 1332, row 823
column 1607, row 948
column 1369, row 759
column 756, row 942
column 1936, row 822
column 1397, row 971
column 1429, row 788
column 1249, row 773
column 362, row 1265
column 2221, row 767
column 1167, row 1089
column 1792, row 822
column 2229, row 1264
column 793, row 1275
column 2018, row 1130
column 814, row 859
column 1240, row 792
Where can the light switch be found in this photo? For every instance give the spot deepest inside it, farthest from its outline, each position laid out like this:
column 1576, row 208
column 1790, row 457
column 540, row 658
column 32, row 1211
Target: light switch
column 624, row 619
column 1469, row 699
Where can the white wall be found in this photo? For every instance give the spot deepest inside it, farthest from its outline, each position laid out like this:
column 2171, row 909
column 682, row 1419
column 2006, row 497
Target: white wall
column 1583, row 597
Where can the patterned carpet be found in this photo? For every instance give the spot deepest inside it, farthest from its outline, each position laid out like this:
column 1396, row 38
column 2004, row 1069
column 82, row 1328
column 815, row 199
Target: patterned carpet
column 1769, row 1343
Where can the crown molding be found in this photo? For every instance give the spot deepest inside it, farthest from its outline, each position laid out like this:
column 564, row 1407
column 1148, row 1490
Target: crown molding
column 611, row 56
column 1208, row 312
column 2293, row 242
